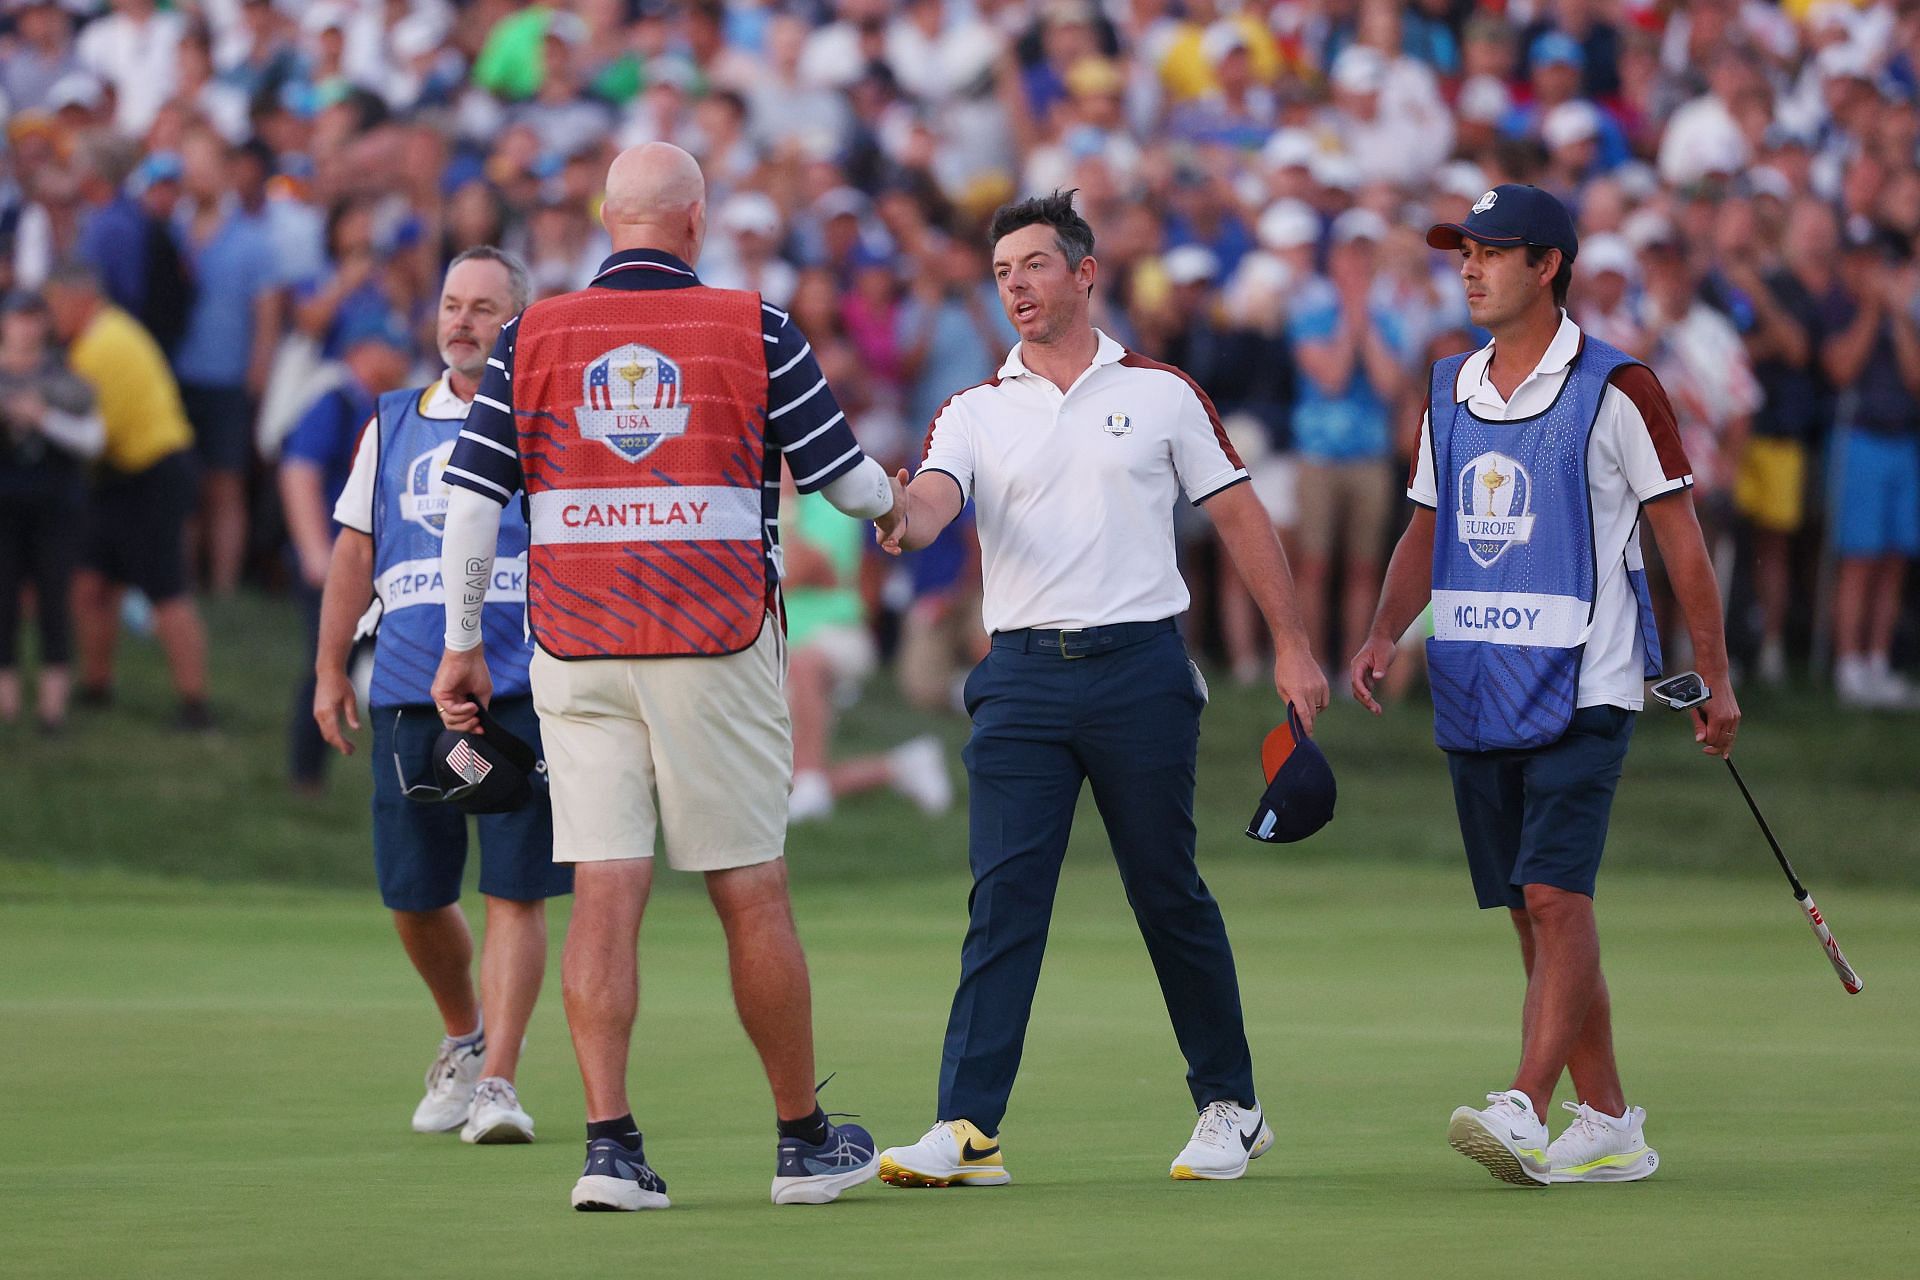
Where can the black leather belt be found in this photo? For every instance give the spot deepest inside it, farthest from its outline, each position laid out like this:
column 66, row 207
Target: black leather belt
column 1081, row 642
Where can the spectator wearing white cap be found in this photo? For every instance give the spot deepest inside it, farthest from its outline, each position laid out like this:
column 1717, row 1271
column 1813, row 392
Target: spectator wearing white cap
column 1287, row 160
column 1397, row 142
column 1247, row 369
column 1351, row 369
column 1703, row 138
column 1604, row 302
column 1571, row 132
column 746, row 253
column 1483, row 105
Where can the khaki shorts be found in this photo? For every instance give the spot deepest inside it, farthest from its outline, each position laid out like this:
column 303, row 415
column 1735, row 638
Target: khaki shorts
column 699, row 749
column 1344, row 506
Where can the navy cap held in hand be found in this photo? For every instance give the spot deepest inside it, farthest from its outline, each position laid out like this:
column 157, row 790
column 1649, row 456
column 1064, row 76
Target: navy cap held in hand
column 493, row 771
column 1300, row 788
column 1512, row 214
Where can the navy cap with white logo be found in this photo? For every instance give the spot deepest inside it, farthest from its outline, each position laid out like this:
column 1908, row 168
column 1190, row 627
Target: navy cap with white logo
column 1512, row 214
column 1300, row 790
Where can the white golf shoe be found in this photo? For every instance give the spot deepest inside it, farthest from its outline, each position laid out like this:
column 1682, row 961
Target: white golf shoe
column 919, row 772
column 1598, row 1147
column 496, row 1115
column 450, row 1082
column 954, row 1153
column 1225, row 1140
column 1507, row 1137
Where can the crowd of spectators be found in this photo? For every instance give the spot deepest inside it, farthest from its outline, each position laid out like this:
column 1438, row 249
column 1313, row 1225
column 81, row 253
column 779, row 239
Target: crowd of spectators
column 272, row 190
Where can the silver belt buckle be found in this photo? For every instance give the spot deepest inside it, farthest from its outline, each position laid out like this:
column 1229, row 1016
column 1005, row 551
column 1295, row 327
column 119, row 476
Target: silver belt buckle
column 1064, row 633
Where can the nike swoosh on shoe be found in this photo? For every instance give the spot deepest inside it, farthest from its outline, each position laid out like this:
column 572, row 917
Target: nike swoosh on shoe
column 971, row 1152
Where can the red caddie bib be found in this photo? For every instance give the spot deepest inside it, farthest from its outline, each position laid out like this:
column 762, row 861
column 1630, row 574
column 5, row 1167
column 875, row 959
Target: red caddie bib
column 642, row 421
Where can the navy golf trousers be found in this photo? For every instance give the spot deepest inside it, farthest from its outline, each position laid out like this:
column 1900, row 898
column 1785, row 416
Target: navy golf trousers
column 1126, row 719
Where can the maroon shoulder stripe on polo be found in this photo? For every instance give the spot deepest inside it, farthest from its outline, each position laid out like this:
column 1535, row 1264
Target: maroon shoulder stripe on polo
column 926, row 444
column 1134, row 360
column 1639, row 385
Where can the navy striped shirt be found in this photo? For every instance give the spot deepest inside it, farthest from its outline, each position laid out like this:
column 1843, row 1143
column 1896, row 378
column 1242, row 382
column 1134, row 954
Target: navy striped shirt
column 804, row 421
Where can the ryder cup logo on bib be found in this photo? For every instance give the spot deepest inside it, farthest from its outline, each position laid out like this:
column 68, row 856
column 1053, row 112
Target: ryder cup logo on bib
column 1495, row 506
column 425, row 499
column 632, row 401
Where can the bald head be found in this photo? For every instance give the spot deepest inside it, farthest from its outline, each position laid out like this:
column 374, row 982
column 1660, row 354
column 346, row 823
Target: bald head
column 656, row 199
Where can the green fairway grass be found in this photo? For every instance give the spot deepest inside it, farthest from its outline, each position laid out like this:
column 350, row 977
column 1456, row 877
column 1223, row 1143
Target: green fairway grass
column 218, row 1084
column 211, row 1042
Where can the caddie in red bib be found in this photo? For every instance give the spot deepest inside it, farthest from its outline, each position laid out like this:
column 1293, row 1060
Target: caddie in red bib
column 646, row 419
column 642, row 439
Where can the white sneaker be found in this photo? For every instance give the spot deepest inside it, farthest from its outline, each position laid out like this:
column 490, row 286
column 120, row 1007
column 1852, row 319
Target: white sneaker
column 1853, row 684
column 450, row 1082
column 1598, row 1147
column 1890, row 689
column 1226, row 1138
column 920, row 773
column 811, row 798
column 1773, row 664
column 1507, row 1137
column 954, row 1153
column 496, row 1115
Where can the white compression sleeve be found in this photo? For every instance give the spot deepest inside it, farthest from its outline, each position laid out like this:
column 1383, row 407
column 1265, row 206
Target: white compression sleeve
column 865, row 493
column 466, row 562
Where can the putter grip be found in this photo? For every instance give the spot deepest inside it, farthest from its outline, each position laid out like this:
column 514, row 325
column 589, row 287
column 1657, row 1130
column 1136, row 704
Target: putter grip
column 1848, row 978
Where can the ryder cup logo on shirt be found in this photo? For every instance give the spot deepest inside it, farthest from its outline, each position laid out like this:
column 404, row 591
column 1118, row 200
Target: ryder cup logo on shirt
column 1119, row 424
column 425, row 501
column 1495, row 508
column 632, row 401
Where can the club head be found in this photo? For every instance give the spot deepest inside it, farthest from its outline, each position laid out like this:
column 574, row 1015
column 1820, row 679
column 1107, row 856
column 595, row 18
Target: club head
column 1682, row 691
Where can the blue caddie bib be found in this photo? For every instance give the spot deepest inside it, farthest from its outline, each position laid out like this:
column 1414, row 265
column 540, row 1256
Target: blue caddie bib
column 409, row 518
column 1514, row 568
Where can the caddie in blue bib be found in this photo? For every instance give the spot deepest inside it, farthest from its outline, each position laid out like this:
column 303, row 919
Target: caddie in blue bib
column 1514, row 562
column 409, row 517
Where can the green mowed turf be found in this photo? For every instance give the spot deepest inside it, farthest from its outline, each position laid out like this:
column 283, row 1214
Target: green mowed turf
column 216, row 1082
column 210, row 1073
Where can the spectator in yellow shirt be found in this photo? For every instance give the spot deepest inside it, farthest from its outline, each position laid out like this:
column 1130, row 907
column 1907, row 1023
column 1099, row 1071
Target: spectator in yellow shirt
column 144, row 491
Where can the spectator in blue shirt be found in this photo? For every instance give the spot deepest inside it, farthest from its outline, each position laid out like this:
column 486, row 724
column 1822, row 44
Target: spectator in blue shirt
column 1348, row 347
column 314, row 464
column 1871, row 353
column 224, row 356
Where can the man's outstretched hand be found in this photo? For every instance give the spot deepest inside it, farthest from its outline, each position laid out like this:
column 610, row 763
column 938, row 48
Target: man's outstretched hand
column 890, row 528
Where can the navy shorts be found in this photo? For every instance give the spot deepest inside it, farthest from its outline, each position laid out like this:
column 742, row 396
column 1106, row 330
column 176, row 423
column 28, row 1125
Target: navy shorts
column 1540, row 816
column 420, row 850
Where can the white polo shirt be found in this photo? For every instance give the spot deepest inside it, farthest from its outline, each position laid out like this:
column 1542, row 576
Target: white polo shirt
column 1633, row 456
column 1074, row 492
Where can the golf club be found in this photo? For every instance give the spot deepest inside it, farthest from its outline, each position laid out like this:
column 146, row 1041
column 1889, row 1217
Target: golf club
column 1688, row 692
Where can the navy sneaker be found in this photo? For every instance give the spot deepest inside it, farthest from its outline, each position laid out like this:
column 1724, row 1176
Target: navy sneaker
column 806, row 1173
column 618, row 1179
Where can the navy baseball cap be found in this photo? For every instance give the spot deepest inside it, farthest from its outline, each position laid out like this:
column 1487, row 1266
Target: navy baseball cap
column 1512, row 214
column 1300, row 789
column 493, row 771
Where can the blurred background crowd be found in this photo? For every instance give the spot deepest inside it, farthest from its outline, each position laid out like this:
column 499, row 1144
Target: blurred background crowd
column 223, row 225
